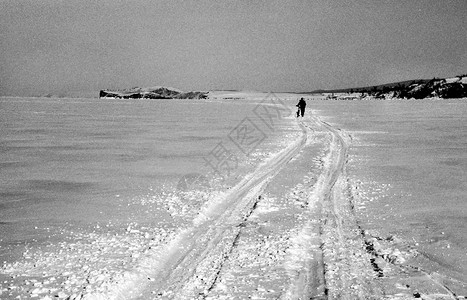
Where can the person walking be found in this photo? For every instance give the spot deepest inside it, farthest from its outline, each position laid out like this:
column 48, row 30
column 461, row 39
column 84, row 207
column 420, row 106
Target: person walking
column 301, row 106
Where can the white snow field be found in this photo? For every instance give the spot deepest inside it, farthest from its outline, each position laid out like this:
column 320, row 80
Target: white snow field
column 357, row 200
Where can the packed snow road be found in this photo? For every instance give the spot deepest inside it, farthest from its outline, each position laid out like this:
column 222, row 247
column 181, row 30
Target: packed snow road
column 203, row 262
column 286, row 231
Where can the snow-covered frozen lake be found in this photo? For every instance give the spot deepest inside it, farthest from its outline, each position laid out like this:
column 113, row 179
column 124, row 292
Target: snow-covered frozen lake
column 229, row 196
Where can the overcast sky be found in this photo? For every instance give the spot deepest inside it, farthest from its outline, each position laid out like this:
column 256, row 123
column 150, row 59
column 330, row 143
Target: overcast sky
column 60, row 46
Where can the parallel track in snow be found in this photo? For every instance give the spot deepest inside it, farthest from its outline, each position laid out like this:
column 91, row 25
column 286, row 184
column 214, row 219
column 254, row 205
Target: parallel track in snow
column 310, row 282
column 188, row 267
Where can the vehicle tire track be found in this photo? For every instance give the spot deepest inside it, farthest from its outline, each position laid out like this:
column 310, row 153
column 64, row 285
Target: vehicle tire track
column 348, row 270
column 188, row 266
column 310, row 282
column 349, row 267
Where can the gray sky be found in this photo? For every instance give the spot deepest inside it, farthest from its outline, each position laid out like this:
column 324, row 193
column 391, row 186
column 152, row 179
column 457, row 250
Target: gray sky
column 63, row 46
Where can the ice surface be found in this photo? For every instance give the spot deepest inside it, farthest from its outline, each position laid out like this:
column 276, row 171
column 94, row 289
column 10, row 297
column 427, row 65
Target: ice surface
column 374, row 189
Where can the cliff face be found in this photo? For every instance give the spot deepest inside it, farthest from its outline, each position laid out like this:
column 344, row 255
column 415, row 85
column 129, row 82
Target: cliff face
column 151, row 93
column 455, row 87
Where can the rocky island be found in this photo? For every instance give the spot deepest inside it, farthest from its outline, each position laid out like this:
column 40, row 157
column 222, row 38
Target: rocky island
column 151, row 93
